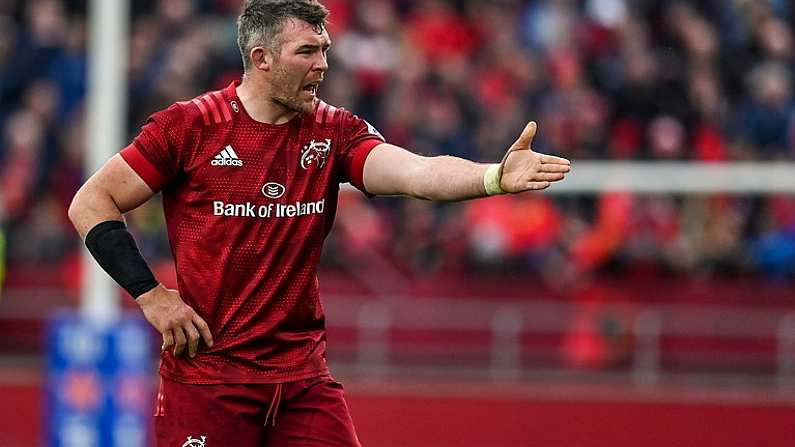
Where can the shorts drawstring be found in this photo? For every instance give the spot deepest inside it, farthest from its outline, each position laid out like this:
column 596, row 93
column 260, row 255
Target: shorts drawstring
column 161, row 396
column 274, row 406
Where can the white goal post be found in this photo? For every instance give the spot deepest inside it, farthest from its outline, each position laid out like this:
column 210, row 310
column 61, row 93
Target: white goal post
column 656, row 177
column 106, row 113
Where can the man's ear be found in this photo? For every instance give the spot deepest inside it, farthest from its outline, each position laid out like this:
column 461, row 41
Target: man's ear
column 261, row 58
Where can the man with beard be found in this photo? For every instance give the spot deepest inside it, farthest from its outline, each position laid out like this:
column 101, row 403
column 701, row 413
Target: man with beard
column 250, row 176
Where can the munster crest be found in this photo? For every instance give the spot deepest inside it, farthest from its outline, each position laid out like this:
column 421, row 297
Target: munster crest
column 315, row 153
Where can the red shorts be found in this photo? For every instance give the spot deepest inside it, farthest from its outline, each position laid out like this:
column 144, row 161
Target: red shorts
column 309, row 412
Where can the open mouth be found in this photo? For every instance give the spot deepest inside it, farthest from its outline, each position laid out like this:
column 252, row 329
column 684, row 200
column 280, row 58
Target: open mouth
column 311, row 88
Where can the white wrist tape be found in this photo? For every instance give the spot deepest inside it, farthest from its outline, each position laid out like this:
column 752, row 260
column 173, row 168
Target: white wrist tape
column 491, row 180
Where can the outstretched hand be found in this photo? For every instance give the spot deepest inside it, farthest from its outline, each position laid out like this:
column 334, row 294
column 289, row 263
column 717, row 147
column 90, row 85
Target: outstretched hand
column 522, row 169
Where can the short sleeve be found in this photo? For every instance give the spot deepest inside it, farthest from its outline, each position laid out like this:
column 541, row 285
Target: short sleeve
column 359, row 138
column 155, row 152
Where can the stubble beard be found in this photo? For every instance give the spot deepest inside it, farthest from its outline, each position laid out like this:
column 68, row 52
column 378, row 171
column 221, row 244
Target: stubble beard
column 284, row 93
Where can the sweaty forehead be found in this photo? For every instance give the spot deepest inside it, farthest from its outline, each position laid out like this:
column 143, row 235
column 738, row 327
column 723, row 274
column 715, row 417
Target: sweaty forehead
column 298, row 32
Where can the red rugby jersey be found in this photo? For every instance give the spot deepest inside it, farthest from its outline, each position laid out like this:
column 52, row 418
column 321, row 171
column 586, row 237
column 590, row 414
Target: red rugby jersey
column 247, row 206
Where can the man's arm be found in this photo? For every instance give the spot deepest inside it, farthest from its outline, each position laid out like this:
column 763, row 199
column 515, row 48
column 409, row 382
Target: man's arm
column 103, row 199
column 106, row 195
column 391, row 170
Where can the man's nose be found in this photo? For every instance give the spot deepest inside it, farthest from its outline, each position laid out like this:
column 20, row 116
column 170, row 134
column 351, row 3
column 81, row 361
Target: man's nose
column 321, row 64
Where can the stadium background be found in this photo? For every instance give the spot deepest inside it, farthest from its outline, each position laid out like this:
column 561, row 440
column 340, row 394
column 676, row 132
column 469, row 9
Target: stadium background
column 598, row 318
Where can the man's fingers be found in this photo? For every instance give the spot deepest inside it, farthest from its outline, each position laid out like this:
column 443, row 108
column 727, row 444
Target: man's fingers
column 554, row 160
column 549, row 176
column 550, row 167
column 179, row 339
column 168, row 340
column 537, row 185
column 193, row 339
column 204, row 330
column 526, row 138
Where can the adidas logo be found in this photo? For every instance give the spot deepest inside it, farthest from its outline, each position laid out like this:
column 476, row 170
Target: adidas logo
column 227, row 157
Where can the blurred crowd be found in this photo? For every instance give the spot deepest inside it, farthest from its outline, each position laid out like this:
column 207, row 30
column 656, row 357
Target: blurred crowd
column 708, row 80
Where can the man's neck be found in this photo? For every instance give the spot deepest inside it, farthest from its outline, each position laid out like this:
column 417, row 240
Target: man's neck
column 255, row 98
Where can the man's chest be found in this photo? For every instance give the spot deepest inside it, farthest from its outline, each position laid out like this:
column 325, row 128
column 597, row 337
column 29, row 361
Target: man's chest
column 280, row 175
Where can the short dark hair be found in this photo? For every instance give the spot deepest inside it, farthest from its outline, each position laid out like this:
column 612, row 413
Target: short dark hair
column 262, row 20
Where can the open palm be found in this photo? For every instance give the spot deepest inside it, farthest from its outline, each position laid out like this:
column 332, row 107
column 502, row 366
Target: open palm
column 522, row 169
